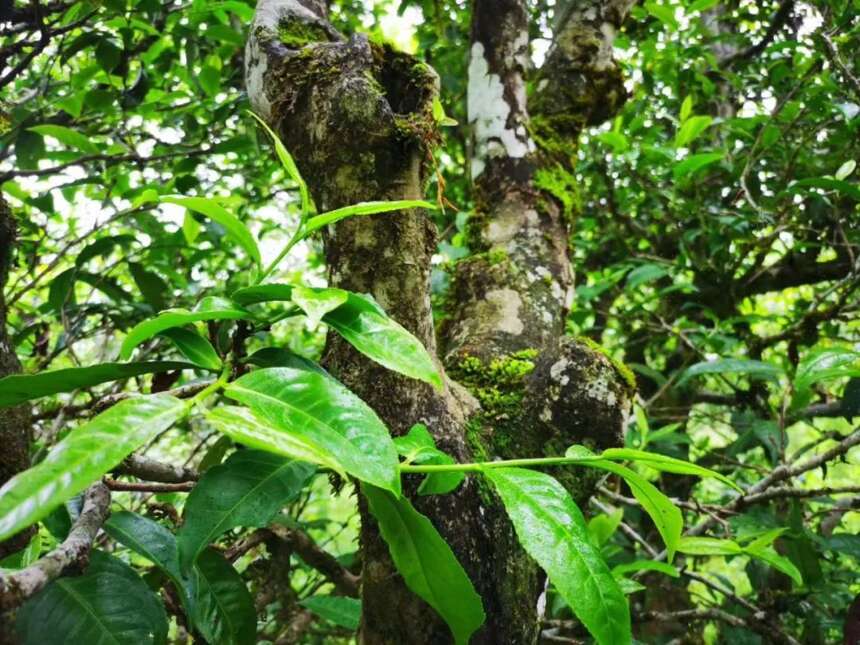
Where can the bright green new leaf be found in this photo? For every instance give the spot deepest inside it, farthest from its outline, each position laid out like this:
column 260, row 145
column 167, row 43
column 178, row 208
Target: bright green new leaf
column 691, row 129
column 316, row 303
column 289, row 165
column 108, row 605
column 666, row 464
column 426, row 562
column 88, row 452
column 708, row 546
column 602, row 526
column 340, row 610
column 210, row 308
column 693, row 163
column 244, row 426
column 552, row 530
column 826, row 364
column 366, row 326
column 246, row 490
column 322, row 413
column 194, row 347
column 686, row 108
column 665, row 515
column 646, row 565
column 222, row 607
column 778, row 562
column 17, row 388
column 362, row 208
column 418, row 447
column 231, row 224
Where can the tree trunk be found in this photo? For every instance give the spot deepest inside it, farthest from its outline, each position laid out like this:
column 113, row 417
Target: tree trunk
column 15, row 425
column 358, row 118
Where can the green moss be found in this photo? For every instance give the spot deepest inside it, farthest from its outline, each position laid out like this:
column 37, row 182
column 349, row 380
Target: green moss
column 625, row 372
column 497, row 385
column 295, row 34
column 561, row 184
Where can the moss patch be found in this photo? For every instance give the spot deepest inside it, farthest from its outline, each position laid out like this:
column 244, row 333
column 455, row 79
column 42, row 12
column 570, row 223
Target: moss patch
column 625, row 372
column 295, row 34
column 497, row 385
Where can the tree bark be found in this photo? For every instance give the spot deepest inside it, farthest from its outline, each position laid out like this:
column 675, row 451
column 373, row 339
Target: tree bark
column 15, row 423
column 358, row 118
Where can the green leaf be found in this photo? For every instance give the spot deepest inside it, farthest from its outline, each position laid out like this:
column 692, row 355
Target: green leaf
column 194, row 347
column 844, row 170
column 362, row 208
column 108, row 604
column 340, row 610
column 693, row 163
column 17, row 388
column 826, row 364
column 289, row 165
column 825, row 183
column 646, row 565
column 552, row 530
column 663, row 12
column 244, row 426
column 418, row 446
column 667, row 464
column 366, row 326
column 88, row 452
column 222, row 608
column 778, row 562
column 686, row 108
column 322, row 413
column 426, row 562
column 708, row 546
column 316, row 303
column 231, row 224
column 67, row 136
column 753, row 369
column 210, row 308
column 644, row 274
column 602, row 526
column 665, row 515
column 151, row 286
column 247, row 490
column 149, row 539
column 691, row 129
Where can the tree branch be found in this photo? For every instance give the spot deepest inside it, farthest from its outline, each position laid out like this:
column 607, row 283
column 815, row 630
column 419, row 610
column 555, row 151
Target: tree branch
column 75, row 549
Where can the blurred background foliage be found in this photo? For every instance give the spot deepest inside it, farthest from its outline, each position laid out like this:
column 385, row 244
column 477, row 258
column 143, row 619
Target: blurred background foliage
column 715, row 235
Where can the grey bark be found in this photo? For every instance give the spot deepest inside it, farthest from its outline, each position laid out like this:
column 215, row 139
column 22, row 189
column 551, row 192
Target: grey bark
column 358, row 118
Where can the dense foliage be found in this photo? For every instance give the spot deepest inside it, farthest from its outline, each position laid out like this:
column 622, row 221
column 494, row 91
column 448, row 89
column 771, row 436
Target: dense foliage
column 715, row 230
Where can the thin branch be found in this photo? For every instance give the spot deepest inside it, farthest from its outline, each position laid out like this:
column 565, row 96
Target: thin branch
column 155, row 471
column 343, row 579
column 15, row 588
column 148, row 487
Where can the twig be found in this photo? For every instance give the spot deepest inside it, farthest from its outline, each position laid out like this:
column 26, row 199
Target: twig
column 148, row 487
column 155, row 471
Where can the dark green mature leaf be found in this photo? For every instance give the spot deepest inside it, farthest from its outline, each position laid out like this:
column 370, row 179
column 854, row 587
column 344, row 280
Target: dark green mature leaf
column 247, row 490
column 194, row 347
column 362, row 208
column 222, row 608
column 340, row 610
column 108, row 604
column 366, row 326
column 326, row 416
column 753, row 369
column 552, row 530
column 88, row 452
column 17, row 388
column 210, row 308
column 824, row 364
column 777, row 561
column 426, row 562
column 149, row 539
column 214, row 211
column 694, row 163
column 151, row 286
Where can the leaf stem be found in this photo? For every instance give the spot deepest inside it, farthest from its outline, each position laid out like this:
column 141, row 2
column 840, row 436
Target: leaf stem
column 213, row 387
column 274, row 264
column 477, row 467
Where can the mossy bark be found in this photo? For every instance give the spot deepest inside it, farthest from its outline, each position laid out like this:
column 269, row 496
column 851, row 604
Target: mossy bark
column 358, row 118
column 15, row 423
